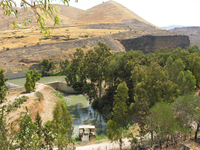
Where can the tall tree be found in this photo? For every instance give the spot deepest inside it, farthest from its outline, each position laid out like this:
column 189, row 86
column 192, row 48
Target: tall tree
column 161, row 121
column 46, row 66
column 74, row 73
column 3, row 130
column 63, row 65
column 119, row 123
column 31, row 78
column 26, row 135
column 152, row 85
column 184, row 109
column 95, row 63
column 194, row 66
column 3, row 87
column 62, row 125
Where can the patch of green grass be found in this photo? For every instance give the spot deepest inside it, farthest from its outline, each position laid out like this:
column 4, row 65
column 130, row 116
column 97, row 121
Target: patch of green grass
column 86, row 35
column 60, row 95
column 67, row 30
column 101, row 137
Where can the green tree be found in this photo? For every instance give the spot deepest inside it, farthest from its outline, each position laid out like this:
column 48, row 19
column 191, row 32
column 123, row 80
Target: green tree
column 46, row 66
column 3, row 130
column 75, row 72
column 29, row 83
column 194, row 66
column 63, row 65
column 3, row 87
column 48, row 135
column 152, row 85
column 162, row 122
column 31, row 78
column 184, row 109
column 26, row 134
column 119, row 123
column 62, row 125
column 38, row 123
column 95, row 64
column 186, row 82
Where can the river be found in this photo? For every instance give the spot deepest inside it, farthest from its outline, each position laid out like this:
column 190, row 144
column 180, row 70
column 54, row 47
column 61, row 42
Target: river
column 81, row 111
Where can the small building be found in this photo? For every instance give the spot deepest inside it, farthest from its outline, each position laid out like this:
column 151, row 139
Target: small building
column 86, row 132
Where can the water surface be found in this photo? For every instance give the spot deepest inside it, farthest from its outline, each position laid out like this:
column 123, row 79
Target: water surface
column 44, row 80
column 83, row 114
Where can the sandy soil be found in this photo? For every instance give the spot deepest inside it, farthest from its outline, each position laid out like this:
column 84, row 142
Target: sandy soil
column 104, row 146
column 44, row 107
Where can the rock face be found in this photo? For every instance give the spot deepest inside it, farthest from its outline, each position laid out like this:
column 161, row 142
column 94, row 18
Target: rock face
column 150, row 43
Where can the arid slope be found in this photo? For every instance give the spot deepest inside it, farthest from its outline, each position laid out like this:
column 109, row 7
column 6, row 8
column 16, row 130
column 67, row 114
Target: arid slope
column 108, row 12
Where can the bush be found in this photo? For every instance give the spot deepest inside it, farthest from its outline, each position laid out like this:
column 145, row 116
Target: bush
column 86, row 35
column 84, row 46
column 40, row 96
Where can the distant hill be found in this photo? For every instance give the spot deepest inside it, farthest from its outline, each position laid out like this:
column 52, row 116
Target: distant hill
column 66, row 13
column 192, row 32
column 108, row 12
column 172, row 27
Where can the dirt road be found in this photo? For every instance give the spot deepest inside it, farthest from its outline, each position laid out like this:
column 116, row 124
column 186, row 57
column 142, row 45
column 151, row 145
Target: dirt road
column 104, row 146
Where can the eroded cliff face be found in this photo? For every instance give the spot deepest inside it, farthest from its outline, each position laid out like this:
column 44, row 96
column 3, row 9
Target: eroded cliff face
column 150, row 43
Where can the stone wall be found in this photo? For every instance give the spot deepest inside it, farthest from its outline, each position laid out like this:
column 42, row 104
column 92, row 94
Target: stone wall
column 151, row 43
column 62, row 87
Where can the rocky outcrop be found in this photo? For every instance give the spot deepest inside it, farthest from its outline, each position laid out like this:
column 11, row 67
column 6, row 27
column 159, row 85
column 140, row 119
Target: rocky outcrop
column 150, row 43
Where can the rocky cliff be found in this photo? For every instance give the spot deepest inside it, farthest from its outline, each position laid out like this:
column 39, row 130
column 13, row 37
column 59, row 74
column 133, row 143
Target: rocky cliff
column 150, row 43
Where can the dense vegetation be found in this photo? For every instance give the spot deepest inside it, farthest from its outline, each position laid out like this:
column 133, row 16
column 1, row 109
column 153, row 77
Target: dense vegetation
column 26, row 133
column 159, row 88
column 155, row 84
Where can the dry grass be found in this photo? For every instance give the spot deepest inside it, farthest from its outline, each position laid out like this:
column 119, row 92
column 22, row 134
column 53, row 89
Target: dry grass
column 33, row 36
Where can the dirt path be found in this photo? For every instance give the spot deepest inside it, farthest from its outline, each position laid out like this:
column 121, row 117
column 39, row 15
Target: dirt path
column 104, row 146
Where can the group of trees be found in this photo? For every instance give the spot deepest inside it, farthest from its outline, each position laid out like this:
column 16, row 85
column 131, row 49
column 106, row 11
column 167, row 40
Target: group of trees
column 32, row 135
column 28, row 132
column 153, row 80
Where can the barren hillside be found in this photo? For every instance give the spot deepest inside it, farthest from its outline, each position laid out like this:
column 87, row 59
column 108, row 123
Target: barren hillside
column 108, row 12
column 66, row 13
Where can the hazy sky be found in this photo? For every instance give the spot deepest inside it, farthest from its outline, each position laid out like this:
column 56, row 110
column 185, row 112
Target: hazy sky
column 158, row 12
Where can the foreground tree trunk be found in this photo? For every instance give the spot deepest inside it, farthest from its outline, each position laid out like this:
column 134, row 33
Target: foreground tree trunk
column 196, row 132
column 120, row 143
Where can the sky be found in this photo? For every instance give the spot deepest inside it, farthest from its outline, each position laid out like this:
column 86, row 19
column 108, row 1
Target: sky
column 158, row 12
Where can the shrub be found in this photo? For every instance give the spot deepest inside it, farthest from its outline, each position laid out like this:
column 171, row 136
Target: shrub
column 84, row 46
column 67, row 29
column 40, row 96
column 86, row 35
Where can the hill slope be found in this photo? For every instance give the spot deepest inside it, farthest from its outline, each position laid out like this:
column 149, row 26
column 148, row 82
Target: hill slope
column 108, row 12
column 66, row 13
column 192, row 32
